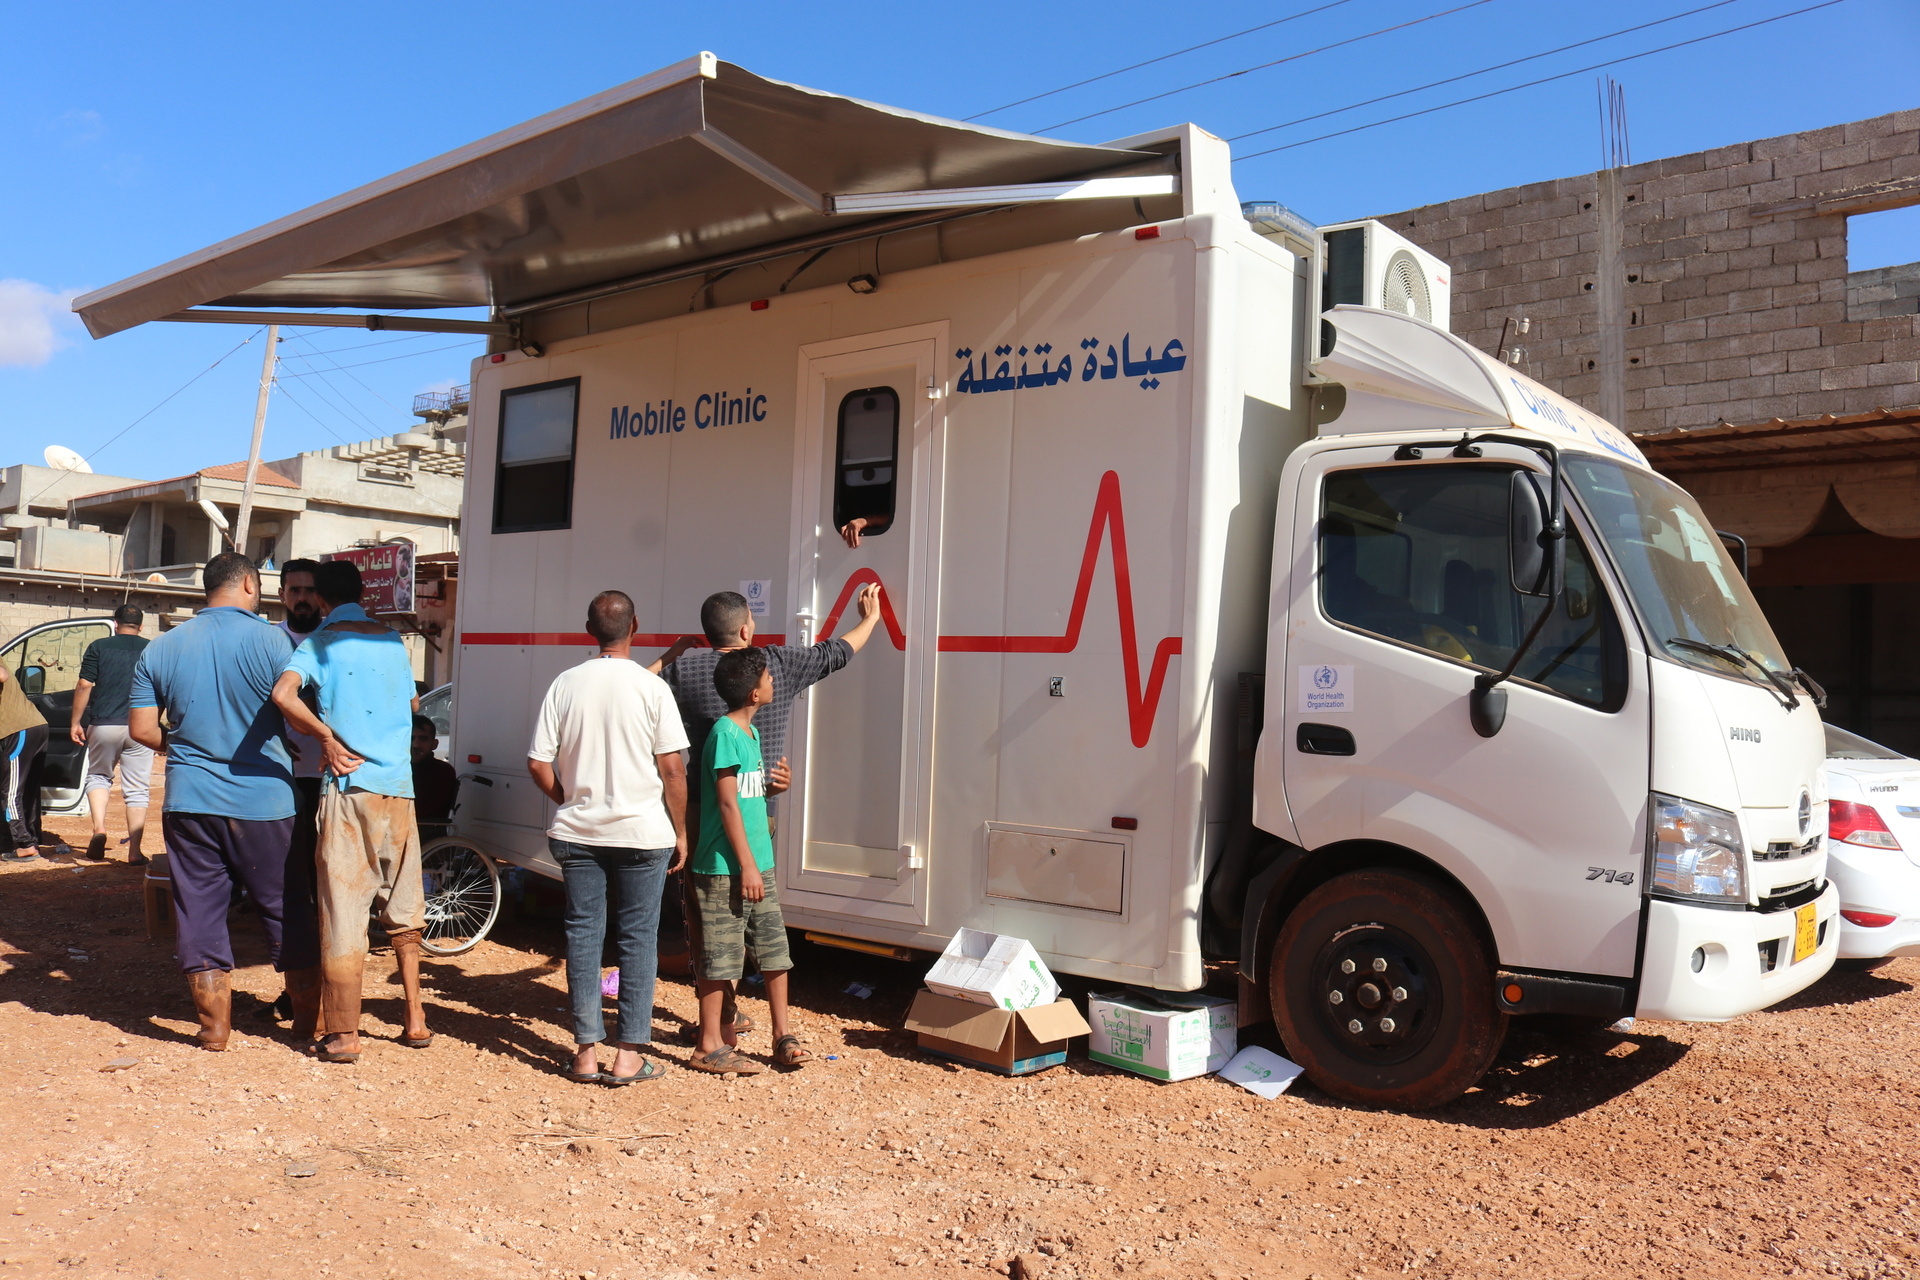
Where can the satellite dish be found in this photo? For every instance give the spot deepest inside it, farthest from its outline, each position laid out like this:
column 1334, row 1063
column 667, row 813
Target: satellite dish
column 61, row 458
column 214, row 514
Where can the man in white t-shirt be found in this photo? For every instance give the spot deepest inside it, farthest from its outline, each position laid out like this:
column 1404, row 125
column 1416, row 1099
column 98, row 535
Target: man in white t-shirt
column 607, row 751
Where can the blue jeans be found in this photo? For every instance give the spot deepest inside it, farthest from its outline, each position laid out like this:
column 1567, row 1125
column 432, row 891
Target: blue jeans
column 628, row 881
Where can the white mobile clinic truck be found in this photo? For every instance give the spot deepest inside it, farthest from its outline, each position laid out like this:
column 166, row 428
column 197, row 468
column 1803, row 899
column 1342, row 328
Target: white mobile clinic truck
column 1213, row 629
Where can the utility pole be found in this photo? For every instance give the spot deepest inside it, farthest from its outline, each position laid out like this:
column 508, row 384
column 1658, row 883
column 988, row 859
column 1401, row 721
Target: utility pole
column 259, row 429
column 1610, row 293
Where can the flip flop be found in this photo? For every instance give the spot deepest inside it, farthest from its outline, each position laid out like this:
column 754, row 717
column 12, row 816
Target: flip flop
column 411, row 1043
column 585, row 1077
column 647, row 1071
column 789, row 1052
column 325, row 1054
column 724, row 1061
column 97, row 849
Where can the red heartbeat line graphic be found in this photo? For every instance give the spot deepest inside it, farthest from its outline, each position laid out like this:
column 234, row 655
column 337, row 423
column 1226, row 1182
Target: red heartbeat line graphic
column 1108, row 516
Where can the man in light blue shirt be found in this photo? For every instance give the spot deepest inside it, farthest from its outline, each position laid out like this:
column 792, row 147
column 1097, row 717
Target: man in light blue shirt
column 368, row 857
column 229, row 800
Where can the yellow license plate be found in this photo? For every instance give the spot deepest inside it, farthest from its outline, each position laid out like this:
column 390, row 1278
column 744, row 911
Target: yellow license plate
column 1806, row 933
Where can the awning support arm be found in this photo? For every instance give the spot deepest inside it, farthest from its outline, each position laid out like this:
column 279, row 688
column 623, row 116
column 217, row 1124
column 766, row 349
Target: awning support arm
column 336, row 320
column 735, row 152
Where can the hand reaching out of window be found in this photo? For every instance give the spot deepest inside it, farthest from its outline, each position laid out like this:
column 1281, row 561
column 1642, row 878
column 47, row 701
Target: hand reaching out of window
column 850, row 531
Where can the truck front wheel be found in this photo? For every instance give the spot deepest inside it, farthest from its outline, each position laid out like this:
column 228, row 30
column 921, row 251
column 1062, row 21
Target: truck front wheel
column 1383, row 990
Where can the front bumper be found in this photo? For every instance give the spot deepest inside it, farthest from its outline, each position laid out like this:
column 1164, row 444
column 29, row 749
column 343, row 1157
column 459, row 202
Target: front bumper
column 1882, row 881
column 1734, row 979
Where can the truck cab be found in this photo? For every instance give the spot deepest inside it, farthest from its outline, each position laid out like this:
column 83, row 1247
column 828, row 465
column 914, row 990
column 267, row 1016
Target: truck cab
column 1530, row 745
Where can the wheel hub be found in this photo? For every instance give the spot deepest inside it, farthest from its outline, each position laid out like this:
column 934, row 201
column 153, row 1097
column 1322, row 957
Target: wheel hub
column 1375, row 994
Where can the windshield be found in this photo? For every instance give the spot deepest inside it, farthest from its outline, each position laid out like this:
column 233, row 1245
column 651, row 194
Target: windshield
column 1842, row 745
column 1688, row 590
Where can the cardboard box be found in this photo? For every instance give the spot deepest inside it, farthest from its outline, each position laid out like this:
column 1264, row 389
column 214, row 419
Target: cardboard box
column 1012, row 1042
column 992, row 969
column 1160, row 1040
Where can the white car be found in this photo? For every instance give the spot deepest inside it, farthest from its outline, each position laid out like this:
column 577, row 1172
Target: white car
column 1873, row 848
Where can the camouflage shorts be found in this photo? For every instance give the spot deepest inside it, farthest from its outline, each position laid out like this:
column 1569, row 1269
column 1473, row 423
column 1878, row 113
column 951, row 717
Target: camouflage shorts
column 730, row 926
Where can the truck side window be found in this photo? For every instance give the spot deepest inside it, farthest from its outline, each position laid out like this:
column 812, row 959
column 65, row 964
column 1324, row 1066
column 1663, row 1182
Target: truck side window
column 1419, row 555
column 867, row 444
column 533, row 476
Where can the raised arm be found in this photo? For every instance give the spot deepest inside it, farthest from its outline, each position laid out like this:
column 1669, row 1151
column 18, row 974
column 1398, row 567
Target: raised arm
column 867, row 600
column 673, row 652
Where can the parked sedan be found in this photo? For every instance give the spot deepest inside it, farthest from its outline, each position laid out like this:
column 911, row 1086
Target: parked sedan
column 1873, row 848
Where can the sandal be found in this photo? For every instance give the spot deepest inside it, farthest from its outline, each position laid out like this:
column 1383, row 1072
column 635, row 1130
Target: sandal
column 325, row 1054
column 725, row 1061
column 408, row 1042
column 789, row 1052
column 690, row 1034
column 586, row 1077
column 647, row 1071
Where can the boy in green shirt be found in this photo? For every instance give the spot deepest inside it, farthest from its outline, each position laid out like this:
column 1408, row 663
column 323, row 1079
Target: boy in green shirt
column 731, row 873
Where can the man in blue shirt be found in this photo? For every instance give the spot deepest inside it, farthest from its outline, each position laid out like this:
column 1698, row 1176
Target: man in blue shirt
column 369, row 852
column 229, row 799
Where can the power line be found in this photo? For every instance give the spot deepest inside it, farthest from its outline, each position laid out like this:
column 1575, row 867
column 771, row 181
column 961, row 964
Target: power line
column 1108, row 75
column 1468, row 75
column 340, row 368
column 312, row 333
column 1495, row 93
column 296, row 403
column 1294, row 57
column 111, row 440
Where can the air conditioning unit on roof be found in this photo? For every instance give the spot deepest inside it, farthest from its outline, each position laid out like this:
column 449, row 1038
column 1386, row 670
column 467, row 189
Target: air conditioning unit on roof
column 1370, row 266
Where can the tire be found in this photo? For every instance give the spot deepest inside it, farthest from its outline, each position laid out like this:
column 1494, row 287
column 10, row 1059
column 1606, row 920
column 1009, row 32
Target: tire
column 1429, row 1026
column 463, row 896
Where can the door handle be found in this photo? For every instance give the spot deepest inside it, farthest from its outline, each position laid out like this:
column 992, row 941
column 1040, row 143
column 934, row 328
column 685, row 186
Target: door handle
column 1324, row 740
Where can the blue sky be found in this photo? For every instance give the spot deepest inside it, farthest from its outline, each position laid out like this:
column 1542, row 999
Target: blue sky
column 136, row 133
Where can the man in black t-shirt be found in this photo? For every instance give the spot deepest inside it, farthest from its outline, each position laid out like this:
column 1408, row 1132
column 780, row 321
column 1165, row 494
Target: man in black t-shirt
column 100, row 725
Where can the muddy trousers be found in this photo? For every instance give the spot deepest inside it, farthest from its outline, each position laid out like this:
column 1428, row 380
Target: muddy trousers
column 367, row 861
column 207, row 855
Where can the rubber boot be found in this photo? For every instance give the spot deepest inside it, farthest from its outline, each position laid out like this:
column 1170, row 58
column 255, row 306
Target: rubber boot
column 406, row 951
column 303, row 990
column 213, row 1002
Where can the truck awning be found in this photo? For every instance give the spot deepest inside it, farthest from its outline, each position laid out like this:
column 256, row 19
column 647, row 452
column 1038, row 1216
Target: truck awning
column 693, row 164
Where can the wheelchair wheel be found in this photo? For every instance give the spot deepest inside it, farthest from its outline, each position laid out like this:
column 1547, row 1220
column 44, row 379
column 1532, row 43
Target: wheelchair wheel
column 463, row 896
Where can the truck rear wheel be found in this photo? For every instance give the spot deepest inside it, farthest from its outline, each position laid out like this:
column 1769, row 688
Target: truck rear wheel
column 1383, row 990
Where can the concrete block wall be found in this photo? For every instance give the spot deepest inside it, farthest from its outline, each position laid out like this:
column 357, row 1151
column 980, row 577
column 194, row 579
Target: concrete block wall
column 1737, row 310
column 1885, row 291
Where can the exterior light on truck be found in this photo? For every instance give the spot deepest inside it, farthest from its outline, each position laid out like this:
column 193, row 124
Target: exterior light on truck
column 1858, row 824
column 1697, row 852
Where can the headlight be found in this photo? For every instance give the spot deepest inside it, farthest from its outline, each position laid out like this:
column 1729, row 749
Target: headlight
column 1697, row 851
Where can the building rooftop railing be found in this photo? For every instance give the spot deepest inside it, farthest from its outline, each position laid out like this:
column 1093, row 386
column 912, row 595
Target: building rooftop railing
column 430, row 404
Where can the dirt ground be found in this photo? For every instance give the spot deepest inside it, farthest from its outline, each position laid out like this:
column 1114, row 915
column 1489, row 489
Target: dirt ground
column 1780, row 1144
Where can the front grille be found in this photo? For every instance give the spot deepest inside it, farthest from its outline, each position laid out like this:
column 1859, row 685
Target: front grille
column 1782, row 850
column 1789, row 896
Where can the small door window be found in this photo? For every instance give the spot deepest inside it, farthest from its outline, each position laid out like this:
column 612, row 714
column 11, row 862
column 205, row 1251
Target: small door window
column 866, row 449
column 533, row 477
column 1419, row 555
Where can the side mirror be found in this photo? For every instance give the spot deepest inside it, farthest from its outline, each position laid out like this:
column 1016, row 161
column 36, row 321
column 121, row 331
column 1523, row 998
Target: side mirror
column 33, row 680
column 1533, row 558
column 1738, row 546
